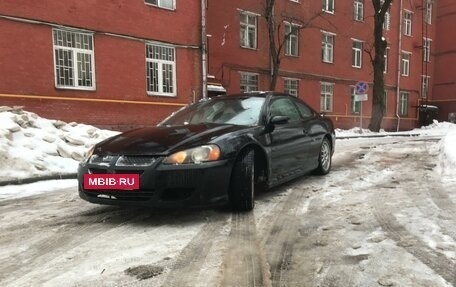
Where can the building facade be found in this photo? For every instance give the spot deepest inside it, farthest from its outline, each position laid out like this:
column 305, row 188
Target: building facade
column 327, row 50
column 114, row 64
column 444, row 91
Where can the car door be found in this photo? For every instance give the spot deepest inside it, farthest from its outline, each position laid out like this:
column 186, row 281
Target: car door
column 312, row 126
column 288, row 141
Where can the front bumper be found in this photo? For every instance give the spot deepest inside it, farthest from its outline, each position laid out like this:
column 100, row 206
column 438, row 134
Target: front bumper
column 168, row 186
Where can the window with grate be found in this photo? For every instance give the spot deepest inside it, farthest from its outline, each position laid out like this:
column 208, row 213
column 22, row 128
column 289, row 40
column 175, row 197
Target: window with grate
column 160, row 70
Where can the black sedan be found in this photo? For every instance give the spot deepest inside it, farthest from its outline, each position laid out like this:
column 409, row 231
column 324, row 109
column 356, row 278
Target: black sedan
column 214, row 151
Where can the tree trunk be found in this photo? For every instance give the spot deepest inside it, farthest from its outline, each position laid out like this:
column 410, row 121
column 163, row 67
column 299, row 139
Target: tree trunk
column 378, row 101
column 273, row 50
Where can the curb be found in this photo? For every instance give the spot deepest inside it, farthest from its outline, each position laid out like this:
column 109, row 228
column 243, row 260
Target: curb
column 376, row 136
column 38, row 178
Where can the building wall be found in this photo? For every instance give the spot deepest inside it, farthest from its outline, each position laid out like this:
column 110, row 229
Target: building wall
column 227, row 58
column 444, row 93
column 120, row 99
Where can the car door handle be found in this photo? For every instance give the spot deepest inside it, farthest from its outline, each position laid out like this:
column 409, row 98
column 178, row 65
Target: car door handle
column 305, row 132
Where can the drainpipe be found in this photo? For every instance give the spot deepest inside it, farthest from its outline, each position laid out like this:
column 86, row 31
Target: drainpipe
column 203, row 49
column 399, row 51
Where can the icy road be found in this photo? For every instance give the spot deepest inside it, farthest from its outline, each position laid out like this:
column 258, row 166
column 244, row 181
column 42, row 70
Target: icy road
column 384, row 216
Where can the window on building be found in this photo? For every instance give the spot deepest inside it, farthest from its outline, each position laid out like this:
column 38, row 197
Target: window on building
column 386, row 60
column 326, row 97
column 297, row 1
column 428, row 12
column 405, row 63
column 385, row 100
column 292, row 39
column 355, row 106
column 424, row 86
column 167, row 4
column 248, row 31
column 403, row 104
column 408, row 23
column 161, row 70
column 291, row 87
column 327, row 47
column 357, row 54
column 387, row 20
column 328, row 6
column 426, row 50
column 74, row 60
column 249, row 82
column 358, row 10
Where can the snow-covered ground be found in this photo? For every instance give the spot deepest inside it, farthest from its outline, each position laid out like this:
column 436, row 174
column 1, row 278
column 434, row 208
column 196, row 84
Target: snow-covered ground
column 384, row 216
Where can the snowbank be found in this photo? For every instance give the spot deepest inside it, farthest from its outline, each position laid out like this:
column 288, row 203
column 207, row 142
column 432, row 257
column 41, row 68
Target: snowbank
column 448, row 154
column 34, row 146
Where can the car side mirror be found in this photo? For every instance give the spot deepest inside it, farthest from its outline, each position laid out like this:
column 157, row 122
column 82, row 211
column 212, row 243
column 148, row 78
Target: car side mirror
column 275, row 120
column 279, row 120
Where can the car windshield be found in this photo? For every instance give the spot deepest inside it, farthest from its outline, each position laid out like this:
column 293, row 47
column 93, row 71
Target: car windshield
column 234, row 111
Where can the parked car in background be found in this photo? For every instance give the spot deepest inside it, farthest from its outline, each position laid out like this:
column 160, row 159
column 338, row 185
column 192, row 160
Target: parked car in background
column 217, row 150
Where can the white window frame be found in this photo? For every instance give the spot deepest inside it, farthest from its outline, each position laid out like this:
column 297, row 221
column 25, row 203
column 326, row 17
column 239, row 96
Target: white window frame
column 160, row 4
column 249, row 81
column 60, row 36
column 428, row 12
column 427, row 49
column 328, row 6
column 245, row 28
column 327, row 47
column 408, row 22
column 385, row 99
column 386, row 60
column 358, row 10
column 161, row 65
column 355, row 106
column 387, row 21
column 296, row 1
column 326, row 96
column 425, row 86
column 292, row 39
column 405, row 63
column 403, row 103
column 291, row 86
column 357, row 54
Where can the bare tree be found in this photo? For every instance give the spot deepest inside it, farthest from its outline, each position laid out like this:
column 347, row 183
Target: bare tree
column 378, row 64
column 278, row 38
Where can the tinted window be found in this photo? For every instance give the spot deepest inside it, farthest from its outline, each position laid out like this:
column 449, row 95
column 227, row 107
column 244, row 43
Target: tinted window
column 305, row 111
column 284, row 107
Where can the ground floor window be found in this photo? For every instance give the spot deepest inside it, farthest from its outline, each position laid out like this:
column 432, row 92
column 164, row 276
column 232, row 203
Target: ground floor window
column 403, row 104
column 326, row 97
column 355, row 105
column 291, row 87
column 161, row 70
column 249, row 82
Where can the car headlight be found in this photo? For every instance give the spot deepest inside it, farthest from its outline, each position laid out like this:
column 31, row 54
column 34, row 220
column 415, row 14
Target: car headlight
column 196, row 155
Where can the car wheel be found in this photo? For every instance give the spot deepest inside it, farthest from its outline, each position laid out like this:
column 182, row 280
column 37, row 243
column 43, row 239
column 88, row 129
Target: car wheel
column 242, row 187
column 324, row 158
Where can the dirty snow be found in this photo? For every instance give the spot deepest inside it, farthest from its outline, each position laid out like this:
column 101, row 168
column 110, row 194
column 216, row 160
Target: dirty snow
column 375, row 181
column 33, row 146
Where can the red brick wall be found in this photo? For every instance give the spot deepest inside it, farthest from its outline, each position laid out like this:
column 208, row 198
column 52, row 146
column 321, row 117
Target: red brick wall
column 27, row 65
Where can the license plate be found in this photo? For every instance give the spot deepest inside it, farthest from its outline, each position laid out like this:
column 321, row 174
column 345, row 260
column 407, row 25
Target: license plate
column 111, row 181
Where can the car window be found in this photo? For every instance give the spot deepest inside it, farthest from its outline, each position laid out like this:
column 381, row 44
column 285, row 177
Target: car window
column 235, row 111
column 284, row 107
column 305, row 111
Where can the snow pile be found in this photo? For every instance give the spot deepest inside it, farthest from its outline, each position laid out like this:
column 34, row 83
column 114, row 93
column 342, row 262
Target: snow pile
column 435, row 129
column 448, row 154
column 34, row 146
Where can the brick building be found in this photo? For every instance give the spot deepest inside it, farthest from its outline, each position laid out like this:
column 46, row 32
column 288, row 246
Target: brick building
column 129, row 63
column 111, row 63
column 327, row 54
column 444, row 90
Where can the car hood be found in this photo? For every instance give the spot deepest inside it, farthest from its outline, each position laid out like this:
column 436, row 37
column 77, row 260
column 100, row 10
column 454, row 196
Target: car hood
column 162, row 140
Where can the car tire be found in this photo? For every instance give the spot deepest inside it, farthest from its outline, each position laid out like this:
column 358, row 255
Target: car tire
column 324, row 158
column 242, row 186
